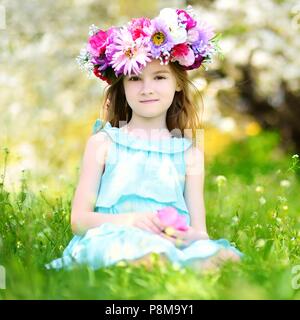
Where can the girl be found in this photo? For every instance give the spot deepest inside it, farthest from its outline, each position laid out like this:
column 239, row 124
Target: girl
column 141, row 185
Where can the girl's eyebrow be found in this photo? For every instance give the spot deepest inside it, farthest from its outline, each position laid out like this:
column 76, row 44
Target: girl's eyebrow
column 159, row 71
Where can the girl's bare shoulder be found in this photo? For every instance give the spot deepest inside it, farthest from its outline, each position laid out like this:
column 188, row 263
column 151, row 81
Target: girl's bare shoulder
column 101, row 137
column 101, row 141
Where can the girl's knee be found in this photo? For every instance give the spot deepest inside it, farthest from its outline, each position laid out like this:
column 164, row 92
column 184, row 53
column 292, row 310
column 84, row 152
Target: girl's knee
column 227, row 254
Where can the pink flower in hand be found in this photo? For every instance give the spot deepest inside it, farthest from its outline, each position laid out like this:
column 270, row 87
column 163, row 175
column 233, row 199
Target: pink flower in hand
column 170, row 217
column 180, row 223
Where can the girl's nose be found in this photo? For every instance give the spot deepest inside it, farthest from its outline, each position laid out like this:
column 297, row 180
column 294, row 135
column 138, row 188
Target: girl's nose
column 146, row 87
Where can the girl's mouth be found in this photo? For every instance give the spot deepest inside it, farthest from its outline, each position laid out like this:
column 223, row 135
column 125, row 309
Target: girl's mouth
column 149, row 101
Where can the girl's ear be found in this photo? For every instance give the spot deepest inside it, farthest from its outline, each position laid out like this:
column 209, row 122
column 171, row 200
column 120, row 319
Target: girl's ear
column 178, row 88
column 107, row 103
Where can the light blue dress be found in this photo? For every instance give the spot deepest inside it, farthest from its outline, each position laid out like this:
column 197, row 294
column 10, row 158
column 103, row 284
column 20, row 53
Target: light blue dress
column 140, row 176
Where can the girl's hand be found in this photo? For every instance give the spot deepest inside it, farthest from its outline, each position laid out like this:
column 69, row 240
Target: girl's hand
column 183, row 238
column 147, row 221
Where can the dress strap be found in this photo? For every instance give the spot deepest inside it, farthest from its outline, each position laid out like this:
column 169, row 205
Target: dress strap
column 97, row 126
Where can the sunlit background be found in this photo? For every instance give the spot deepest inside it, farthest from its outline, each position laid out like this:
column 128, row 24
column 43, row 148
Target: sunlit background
column 48, row 106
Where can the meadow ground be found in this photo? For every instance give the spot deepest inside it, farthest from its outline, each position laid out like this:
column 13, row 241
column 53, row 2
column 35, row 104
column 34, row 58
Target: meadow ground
column 252, row 199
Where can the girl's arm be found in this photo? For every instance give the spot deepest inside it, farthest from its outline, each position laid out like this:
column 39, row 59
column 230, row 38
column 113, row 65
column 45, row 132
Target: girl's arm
column 194, row 189
column 93, row 163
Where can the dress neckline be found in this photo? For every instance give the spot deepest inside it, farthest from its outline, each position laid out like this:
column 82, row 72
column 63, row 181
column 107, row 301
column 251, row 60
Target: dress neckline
column 131, row 135
column 166, row 145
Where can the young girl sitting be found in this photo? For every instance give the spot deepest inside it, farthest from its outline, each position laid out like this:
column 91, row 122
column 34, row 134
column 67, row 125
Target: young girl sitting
column 141, row 185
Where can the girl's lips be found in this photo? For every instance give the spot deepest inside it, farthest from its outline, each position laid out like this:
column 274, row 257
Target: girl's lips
column 148, row 101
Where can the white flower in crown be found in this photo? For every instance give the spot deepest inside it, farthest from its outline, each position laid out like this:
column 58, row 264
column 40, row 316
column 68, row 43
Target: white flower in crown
column 177, row 31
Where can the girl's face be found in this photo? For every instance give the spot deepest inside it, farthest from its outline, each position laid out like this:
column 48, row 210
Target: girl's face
column 151, row 93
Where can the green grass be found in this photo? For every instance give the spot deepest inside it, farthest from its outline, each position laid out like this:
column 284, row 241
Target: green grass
column 251, row 207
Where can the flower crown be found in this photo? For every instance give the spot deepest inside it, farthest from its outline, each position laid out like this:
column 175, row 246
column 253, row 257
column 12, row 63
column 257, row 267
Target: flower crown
column 175, row 35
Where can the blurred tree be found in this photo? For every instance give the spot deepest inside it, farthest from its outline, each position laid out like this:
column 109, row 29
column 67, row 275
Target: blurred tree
column 282, row 111
column 260, row 73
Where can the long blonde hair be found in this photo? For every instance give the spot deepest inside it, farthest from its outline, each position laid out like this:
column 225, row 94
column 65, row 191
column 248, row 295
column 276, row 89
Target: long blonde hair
column 182, row 113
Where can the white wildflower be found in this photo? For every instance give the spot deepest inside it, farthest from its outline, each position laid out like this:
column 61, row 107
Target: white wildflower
column 235, row 220
column 84, row 61
column 259, row 189
column 262, row 200
column 260, row 243
column 221, row 180
column 282, row 199
column 278, row 220
column 93, row 30
column 285, row 183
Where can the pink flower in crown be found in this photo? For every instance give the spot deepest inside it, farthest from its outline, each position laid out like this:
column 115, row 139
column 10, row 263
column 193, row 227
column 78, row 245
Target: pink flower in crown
column 186, row 19
column 139, row 27
column 171, row 218
column 183, row 54
column 196, row 64
column 111, row 48
column 97, row 43
column 129, row 55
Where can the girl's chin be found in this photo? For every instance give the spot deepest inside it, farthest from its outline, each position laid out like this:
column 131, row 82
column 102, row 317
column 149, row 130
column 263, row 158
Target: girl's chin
column 149, row 114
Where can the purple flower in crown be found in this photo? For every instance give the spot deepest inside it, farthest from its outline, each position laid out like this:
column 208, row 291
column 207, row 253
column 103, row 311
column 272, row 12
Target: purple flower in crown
column 102, row 63
column 199, row 38
column 200, row 34
column 161, row 41
column 129, row 55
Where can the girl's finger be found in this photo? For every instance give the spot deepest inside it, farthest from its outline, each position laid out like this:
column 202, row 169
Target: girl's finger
column 172, row 232
column 157, row 222
column 151, row 227
column 180, row 234
column 173, row 240
column 143, row 226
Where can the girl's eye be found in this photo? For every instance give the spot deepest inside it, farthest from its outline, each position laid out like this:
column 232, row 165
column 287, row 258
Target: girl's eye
column 134, row 78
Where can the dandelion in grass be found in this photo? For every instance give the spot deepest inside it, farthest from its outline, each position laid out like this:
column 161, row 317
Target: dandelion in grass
column 285, row 183
column 262, row 200
column 221, row 180
column 260, row 243
column 259, row 189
